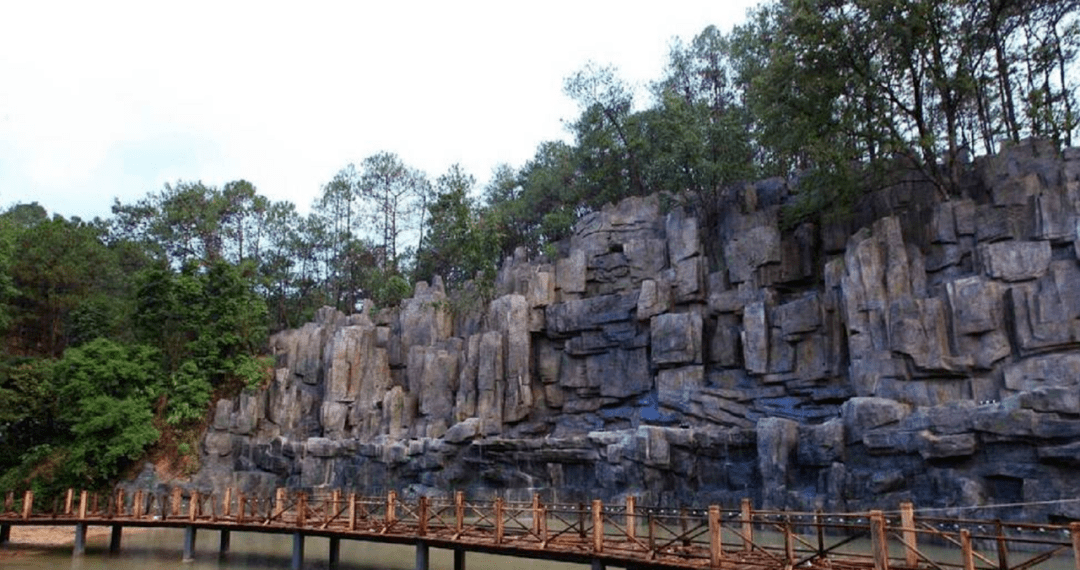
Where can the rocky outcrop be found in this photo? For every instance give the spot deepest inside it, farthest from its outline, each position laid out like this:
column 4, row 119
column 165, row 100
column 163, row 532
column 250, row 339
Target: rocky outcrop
column 922, row 350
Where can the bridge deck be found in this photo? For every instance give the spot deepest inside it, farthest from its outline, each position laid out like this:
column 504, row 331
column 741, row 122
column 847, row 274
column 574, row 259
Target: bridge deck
column 625, row 535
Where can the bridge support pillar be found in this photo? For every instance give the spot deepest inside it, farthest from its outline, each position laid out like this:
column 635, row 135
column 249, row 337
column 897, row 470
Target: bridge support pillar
column 114, row 539
column 598, row 564
column 5, row 533
column 189, row 543
column 223, row 543
column 422, row 555
column 335, row 551
column 297, row 551
column 459, row 559
column 80, row 540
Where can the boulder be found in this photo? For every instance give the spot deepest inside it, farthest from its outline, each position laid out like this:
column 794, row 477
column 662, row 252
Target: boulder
column 862, row 414
column 676, row 338
column 1015, row 260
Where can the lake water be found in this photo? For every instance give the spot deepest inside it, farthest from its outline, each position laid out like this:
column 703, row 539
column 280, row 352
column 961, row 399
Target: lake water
column 163, row 548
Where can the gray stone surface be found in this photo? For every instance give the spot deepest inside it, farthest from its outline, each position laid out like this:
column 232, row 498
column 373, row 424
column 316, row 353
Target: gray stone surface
column 920, row 350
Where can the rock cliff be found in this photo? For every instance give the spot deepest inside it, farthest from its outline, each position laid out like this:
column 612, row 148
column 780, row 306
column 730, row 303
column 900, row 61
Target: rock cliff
column 924, row 350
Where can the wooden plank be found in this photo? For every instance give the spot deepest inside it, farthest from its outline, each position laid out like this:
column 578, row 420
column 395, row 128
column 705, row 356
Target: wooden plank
column 459, row 512
column 789, row 542
column 598, row 525
column 69, row 500
column 716, row 545
column 746, row 514
column 966, row 550
column 280, row 497
column 137, row 504
column 544, row 528
column 536, row 513
column 422, row 515
column 352, row 511
column 499, row 525
column 226, row 502
column 193, row 506
column 1002, row 548
column 301, row 509
column 391, row 507
column 177, row 501
column 631, row 519
column 83, row 505
column 907, row 522
column 28, row 504
column 879, row 540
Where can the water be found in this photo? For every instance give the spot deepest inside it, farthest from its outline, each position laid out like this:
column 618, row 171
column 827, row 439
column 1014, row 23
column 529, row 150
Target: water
column 161, row 548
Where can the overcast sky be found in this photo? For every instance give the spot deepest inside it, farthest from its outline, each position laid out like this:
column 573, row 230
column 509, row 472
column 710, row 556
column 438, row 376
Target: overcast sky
column 104, row 100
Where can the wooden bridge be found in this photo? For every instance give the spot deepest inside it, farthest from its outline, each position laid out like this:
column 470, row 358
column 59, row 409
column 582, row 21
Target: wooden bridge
column 625, row 535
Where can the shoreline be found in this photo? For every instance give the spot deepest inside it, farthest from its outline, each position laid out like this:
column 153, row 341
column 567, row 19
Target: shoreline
column 30, row 540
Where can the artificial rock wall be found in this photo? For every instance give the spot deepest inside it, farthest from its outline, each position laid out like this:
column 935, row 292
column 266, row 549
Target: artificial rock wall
column 925, row 350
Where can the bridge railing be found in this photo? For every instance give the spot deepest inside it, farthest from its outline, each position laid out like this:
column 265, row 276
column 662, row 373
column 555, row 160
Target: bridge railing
column 905, row 538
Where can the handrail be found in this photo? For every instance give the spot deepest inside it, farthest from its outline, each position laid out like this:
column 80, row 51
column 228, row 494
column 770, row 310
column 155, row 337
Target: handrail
column 629, row 532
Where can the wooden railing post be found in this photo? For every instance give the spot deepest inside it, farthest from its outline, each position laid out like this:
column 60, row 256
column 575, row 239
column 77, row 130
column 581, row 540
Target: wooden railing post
column 28, row 504
column 747, row 514
column 684, row 525
column 1074, row 532
column 879, row 540
column 352, row 511
column 581, row 520
column 716, row 546
column 422, row 514
column 9, row 501
column 280, row 498
column 121, row 507
column 789, row 541
column 652, row 536
column 301, row 509
column 819, row 525
column 544, row 528
column 137, row 504
column 1002, row 547
column 500, row 529
column 907, row 521
column 965, row 547
column 631, row 520
column 391, row 507
column 193, row 505
column 535, row 514
column 177, row 501
column 83, row 504
column 226, row 503
column 459, row 512
column 68, row 500
column 598, row 525
column 241, row 507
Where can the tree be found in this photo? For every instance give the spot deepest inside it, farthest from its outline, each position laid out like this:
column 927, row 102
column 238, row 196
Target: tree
column 608, row 148
column 393, row 192
column 60, row 266
column 459, row 244
column 107, row 394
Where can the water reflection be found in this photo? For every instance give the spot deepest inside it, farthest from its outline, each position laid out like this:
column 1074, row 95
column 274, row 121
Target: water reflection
column 148, row 549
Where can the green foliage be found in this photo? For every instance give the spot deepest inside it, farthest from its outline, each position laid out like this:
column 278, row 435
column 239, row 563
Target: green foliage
column 254, row 372
column 460, row 242
column 189, row 393
column 107, row 393
column 110, row 434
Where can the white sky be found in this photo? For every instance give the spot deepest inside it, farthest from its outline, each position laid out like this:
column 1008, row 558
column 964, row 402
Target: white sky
column 103, row 100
